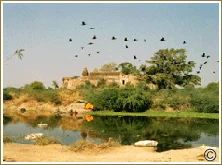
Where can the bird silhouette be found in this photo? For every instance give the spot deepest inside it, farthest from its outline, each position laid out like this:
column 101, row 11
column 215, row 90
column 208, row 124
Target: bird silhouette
column 217, row 61
column 205, row 62
column 76, row 55
column 94, row 37
column 162, row 39
column 144, row 40
column 135, row 40
column 208, row 56
column 92, row 28
column 213, row 72
column 184, row 42
column 203, row 55
column 97, row 52
column 134, row 57
column 114, row 38
column 198, row 72
column 90, row 43
column 126, row 39
column 89, row 55
column 83, row 23
column 82, row 47
column 127, row 46
column 190, row 62
column 70, row 40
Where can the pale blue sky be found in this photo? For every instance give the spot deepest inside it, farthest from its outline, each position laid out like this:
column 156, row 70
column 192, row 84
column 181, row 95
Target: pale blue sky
column 43, row 30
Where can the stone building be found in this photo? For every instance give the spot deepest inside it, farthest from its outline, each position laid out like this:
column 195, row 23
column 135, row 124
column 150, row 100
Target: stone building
column 95, row 76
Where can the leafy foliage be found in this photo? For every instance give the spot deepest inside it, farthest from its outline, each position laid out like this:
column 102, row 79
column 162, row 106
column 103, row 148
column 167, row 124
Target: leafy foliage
column 128, row 68
column 110, row 67
column 55, row 84
column 6, row 95
column 128, row 99
column 171, row 68
column 35, row 85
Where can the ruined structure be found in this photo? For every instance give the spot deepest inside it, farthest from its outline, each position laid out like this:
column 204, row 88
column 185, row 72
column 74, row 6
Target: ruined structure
column 95, row 76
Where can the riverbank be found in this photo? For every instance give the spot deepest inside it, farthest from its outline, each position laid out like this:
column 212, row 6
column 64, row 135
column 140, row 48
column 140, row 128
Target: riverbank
column 34, row 108
column 13, row 152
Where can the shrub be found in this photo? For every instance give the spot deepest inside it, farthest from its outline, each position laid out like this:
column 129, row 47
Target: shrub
column 204, row 100
column 45, row 140
column 101, row 82
column 113, row 85
column 6, row 96
column 37, row 85
column 127, row 99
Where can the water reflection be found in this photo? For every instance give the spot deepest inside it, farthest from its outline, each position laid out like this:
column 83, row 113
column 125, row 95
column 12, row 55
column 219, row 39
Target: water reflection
column 171, row 133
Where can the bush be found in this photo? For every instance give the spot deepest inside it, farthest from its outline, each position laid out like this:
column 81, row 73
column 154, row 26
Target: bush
column 6, row 96
column 37, row 85
column 206, row 101
column 101, row 82
column 127, row 99
column 113, row 85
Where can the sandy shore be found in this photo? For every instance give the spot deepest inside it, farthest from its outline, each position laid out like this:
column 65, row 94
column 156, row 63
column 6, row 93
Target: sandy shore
column 13, row 152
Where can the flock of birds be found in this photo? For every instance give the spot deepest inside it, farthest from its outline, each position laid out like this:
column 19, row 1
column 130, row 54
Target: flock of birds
column 134, row 57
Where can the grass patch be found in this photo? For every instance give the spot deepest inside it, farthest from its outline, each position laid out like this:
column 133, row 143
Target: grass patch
column 158, row 114
column 84, row 145
column 45, row 140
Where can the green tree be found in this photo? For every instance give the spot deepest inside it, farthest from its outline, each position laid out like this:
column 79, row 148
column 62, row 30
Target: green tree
column 37, row 85
column 55, row 84
column 170, row 68
column 128, row 68
column 110, row 67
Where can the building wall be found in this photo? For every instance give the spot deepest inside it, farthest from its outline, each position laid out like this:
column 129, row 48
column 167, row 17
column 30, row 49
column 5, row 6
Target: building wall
column 94, row 77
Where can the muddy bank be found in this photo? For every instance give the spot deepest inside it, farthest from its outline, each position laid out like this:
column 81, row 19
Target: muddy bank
column 34, row 108
column 13, row 152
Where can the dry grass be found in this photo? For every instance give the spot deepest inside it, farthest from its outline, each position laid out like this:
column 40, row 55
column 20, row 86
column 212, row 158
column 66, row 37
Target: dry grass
column 86, row 146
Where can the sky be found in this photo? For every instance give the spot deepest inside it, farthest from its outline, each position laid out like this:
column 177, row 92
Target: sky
column 44, row 30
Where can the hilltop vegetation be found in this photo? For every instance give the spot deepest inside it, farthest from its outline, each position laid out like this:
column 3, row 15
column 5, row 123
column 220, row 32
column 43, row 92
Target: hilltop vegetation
column 167, row 70
column 127, row 99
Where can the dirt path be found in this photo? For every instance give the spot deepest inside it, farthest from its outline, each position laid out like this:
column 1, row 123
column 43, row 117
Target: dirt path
column 60, row 153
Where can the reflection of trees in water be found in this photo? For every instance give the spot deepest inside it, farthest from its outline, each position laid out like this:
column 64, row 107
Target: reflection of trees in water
column 171, row 133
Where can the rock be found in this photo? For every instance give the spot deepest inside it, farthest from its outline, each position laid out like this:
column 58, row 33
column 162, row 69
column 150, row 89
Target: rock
column 22, row 110
column 146, row 143
column 33, row 136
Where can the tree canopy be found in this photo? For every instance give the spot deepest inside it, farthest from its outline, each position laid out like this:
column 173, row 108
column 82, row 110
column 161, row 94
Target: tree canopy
column 110, row 67
column 169, row 68
column 128, row 68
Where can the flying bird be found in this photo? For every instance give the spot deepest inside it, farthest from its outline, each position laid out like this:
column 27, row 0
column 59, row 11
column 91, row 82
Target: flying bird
column 89, row 55
column 198, row 72
column 217, row 61
column 127, row 46
column 135, row 40
column 213, row 72
column 184, row 42
column 162, row 39
column 92, row 28
column 97, row 52
column 208, row 56
column 205, row 62
column 134, row 57
column 83, row 23
column 114, row 38
column 126, row 39
column 82, row 47
column 76, row 55
column 94, row 37
column 190, row 62
column 90, row 43
column 144, row 40
column 203, row 55
column 70, row 40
